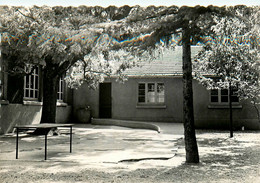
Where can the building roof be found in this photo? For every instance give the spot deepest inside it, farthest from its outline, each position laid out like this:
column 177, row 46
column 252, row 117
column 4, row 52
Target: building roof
column 168, row 64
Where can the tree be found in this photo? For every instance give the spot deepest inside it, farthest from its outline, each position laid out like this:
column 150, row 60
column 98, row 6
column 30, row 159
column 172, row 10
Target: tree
column 252, row 91
column 230, row 57
column 189, row 24
column 56, row 38
column 138, row 30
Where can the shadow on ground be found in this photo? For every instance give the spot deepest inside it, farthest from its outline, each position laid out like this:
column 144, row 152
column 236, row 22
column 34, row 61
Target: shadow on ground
column 116, row 154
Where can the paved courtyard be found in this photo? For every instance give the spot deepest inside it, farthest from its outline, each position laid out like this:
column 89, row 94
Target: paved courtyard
column 98, row 146
column 117, row 154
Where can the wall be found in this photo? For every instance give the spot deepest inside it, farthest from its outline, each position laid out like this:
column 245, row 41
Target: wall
column 84, row 97
column 217, row 117
column 13, row 114
column 124, row 105
column 124, row 101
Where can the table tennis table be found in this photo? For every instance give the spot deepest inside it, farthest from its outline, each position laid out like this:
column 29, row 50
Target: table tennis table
column 45, row 128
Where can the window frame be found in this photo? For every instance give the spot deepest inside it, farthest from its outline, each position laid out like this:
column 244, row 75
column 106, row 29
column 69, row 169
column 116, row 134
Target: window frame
column 156, row 94
column 1, row 81
column 35, row 91
column 220, row 96
column 60, row 90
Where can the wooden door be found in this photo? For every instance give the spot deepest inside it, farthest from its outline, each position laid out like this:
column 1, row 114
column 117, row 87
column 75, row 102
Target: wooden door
column 105, row 100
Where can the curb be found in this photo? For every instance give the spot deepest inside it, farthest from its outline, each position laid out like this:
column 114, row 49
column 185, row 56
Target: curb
column 125, row 123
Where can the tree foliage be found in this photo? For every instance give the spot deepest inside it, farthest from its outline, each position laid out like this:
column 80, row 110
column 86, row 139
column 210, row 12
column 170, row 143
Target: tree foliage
column 56, row 38
column 231, row 54
column 188, row 25
column 62, row 36
column 103, row 41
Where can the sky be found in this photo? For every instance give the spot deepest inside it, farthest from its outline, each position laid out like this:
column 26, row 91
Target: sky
column 106, row 3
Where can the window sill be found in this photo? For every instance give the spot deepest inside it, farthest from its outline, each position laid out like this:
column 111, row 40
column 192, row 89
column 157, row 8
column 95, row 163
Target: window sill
column 36, row 103
column 151, row 106
column 224, row 106
column 4, row 102
column 61, row 104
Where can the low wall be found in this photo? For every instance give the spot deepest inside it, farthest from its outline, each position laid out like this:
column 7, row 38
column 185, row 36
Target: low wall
column 14, row 114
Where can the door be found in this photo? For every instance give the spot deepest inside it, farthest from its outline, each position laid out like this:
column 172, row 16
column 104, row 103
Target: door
column 105, row 100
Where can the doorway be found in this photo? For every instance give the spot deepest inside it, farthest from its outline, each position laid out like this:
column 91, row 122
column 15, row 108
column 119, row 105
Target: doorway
column 105, row 100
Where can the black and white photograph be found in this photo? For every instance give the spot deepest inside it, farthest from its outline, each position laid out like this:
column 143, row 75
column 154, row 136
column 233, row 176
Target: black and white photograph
column 129, row 91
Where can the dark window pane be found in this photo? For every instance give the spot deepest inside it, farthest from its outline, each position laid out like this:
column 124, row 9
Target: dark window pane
column 32, row 82
column 214, row 98
column 36, row 82
column 214, row 92
column 224, row 98
column 141, row 99
column 31, row 93
column 61, row 86
column 224, row 92
column 141, row 92
column 234, row 99
column 141, row 86
column 26, row 93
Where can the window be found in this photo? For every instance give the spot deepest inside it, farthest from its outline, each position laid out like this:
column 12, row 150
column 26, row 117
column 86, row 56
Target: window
column 1, row 89
column 151, row 93
column 1, row 83
column 234, row 96
column 221, row 96
column 31, row 85
column 1, row 79
column 60, row 90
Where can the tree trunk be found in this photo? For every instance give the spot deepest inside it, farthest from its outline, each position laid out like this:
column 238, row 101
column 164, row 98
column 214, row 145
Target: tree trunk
column 50, row 88
column 230, row 111
column 192, row 154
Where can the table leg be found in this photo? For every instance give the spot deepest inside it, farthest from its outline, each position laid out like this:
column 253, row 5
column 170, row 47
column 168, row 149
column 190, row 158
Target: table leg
column 45, row 147
column 71, row 139
column 17, row 131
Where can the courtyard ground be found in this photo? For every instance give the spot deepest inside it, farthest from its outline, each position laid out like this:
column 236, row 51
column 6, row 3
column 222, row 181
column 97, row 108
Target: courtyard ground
column 116, row 154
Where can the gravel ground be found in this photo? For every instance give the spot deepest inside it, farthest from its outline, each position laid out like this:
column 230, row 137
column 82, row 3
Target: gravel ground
column 221, row 160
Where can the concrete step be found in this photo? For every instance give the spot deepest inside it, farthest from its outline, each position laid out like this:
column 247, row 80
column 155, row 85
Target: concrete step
column 125, row 123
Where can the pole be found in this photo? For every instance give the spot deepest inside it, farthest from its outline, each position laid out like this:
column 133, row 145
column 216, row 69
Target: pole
column 230, row 111
column 70, row 139
column 45, row 158
column 17, row 133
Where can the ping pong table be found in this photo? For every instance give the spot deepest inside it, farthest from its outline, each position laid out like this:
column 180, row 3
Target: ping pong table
column 45, row 128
